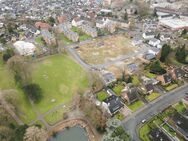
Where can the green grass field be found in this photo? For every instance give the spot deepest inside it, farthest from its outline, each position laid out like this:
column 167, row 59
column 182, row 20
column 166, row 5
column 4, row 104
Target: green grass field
column 60, row 78
column 118, row 88
column 136, row 105
column 152, row 96
column 102, row 96
column 171, row 87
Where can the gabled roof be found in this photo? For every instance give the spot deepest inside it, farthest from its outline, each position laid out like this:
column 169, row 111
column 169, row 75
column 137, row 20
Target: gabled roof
column 149, row 87
column 114, row 103
column 179, row 72
column 167, row 78
column 131, row 94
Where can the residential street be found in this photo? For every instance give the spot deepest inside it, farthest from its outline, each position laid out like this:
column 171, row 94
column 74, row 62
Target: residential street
column 132, row 123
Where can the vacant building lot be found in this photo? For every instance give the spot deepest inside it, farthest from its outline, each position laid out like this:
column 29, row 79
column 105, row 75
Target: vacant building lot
column 105, row 49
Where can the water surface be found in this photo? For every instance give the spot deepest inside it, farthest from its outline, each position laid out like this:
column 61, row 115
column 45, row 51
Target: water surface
column 71, row 134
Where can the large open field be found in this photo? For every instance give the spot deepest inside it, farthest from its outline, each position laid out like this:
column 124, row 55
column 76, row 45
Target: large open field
column 102, row 50
column 60, row 79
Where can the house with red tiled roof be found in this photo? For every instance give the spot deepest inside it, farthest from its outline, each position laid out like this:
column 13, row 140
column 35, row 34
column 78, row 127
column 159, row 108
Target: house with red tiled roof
column 42, row 25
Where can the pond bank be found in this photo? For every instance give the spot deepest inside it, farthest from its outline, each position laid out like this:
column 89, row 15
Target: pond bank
column 75, row 122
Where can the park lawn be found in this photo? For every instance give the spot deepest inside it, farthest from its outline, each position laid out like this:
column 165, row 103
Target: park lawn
column 152, row 96
column 117, row 89
column 171, row 87
column 144, row 131
column 82, row 36
column 57, row 115
column 135, row 80
column 101, row 96
column 180, row 107
column 60, row 79
column 136, row 105
column 24, row 108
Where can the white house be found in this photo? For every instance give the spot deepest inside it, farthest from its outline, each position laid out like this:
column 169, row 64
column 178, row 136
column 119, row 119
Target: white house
column 154, row 42
column 100, row 24
column 24, row 48
column 77, row 22
column 148, row 35
column 1, row 25
column 165, row 37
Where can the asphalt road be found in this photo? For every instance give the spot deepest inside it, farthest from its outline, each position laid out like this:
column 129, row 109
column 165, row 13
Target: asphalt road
column 132, row 123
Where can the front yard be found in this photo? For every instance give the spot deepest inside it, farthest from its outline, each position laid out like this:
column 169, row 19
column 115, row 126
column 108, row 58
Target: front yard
column 136, row 105
column 152, row 96
column 171, row 87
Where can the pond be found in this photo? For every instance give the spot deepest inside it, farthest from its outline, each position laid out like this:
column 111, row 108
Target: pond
column 71, row 134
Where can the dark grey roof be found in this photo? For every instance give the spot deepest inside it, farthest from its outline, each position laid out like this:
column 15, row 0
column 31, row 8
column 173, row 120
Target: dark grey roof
column 149, row 56
column 181, row 124
column 149, row 87
column 157, row 135
column 167, row 78
column 179, row 72
column 132, row 94
column 132, row 67
column 114, row 103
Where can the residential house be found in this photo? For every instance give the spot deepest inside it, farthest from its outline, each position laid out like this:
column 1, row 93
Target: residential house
column 108, row 77
column 181, row 124
column 113, row 104
column 154, row 51
column 148, row 35
column 149, row 88
column 48, row 37
column 1, row 25
column 100, row 24
column 130, row 94
column 62, row 19
column 65, row 28
column 185, row 69
column 154, row 42
column 158, row 135
column 177, row 73
column 77, row 21
column 42, row 25
column 185, row 100
column 165, row 79
column 165, row 37
column 1, row 48
column 149, row 56
column 132, row 67
column 89, row 30
column 136, row 42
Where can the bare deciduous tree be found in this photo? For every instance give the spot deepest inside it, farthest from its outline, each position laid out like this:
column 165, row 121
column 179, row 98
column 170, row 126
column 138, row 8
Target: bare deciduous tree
column 34, row 133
